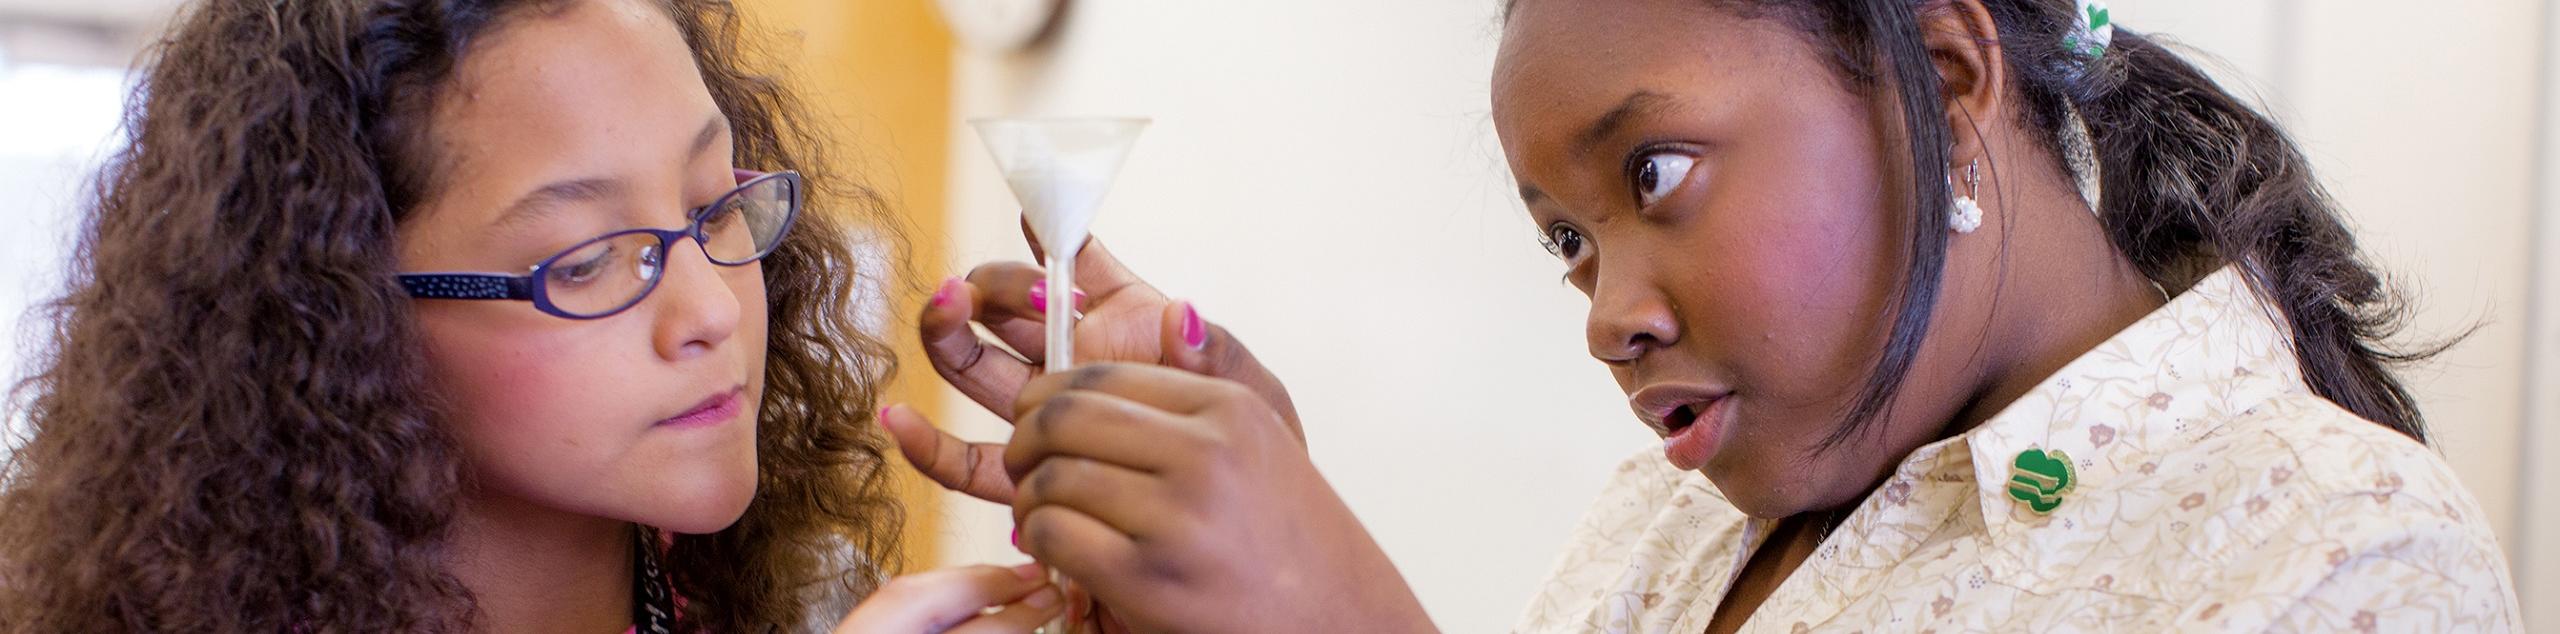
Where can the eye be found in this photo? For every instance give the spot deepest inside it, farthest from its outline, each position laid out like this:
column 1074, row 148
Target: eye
column 715, row 218
column 582, row 270
column 1562, row 241
column 1655, row 174
column 652, row 259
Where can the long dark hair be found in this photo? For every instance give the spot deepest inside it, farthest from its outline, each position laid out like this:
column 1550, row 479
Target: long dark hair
column 2191, row 179
column 233, row 430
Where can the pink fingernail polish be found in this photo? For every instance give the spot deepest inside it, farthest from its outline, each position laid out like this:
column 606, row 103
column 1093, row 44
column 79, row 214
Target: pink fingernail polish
column 1017, row 538
column 1040, row 297
column 943, row 294
column 883, row 420
column 1079, row 297
column 1193, row 333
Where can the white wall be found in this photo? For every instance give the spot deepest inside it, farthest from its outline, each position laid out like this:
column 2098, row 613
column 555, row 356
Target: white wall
column 2539, row 563
column 1323, row 179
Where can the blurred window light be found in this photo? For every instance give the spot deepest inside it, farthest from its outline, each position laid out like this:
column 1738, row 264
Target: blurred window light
column 60, row 112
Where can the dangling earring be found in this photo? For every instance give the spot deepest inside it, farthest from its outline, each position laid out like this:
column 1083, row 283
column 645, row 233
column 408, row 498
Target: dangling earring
column 1968, row 214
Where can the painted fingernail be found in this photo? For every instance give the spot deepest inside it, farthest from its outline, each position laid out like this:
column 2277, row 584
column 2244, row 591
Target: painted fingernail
column 1017, row 538
column 942, row 295
column 1040, row 297
column 1193, row 334
column 1044, row 599
column 1079, row 297
column 884, row 416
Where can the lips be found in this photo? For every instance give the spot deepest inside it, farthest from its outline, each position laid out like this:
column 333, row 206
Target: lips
column 712, row 410
column 1690, row 418
column 1669, row 408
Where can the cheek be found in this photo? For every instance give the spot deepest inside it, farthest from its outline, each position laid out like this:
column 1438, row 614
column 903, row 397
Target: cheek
column 523, row 399
column 754, row 305
column 1806, row 261
column 559, row 413
column 755, row 318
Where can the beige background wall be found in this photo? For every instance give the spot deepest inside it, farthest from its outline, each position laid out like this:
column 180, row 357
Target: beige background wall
column 2539, row 561
column 1322, row 178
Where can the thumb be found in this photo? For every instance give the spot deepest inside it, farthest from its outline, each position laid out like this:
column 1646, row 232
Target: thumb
column 1195, row 345
column 936, row 600
column 975, row 469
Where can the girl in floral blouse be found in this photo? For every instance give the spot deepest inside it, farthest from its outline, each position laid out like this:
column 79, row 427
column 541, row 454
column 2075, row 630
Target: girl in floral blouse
column 1955, row 315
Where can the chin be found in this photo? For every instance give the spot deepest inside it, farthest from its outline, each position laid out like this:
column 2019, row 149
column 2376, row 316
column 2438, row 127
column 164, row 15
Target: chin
column 1758, row 497
column 702, row 504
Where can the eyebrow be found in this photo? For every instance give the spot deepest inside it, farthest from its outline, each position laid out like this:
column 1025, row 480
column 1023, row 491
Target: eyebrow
column 1530, row 195
column 1636, row 106
column 710, row 132
column 550, row 197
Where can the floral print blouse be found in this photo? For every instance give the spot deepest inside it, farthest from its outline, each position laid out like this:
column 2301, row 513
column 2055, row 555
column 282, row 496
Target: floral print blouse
column 2214, row 492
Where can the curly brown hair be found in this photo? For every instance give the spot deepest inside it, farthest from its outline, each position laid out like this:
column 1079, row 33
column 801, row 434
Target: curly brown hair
column 233, row 430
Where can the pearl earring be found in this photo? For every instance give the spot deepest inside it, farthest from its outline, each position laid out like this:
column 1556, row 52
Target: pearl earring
column 1968, row 214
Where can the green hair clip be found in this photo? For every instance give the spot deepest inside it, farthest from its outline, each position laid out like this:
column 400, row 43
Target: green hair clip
column 2096, row 30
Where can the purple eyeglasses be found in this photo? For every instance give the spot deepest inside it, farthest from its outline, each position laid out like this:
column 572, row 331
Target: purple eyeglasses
column 612, row 272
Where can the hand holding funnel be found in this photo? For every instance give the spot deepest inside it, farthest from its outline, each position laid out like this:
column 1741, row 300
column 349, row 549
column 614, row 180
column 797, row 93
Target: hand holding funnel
column 1059, row 169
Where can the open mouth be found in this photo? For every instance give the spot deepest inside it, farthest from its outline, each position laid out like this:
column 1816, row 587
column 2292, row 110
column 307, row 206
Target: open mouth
column 1684, row 416
column 1692, row 422
column 1672, row 408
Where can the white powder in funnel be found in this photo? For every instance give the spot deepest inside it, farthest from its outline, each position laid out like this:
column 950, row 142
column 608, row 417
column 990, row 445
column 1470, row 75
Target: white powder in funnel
column 1059, row 170
column 1059, row 198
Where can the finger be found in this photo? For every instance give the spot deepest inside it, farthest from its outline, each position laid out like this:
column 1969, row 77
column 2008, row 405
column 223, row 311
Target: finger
column 1170, row 390
column 1103, row 427
column 1193, row 344
column 1103, row 562
column 1032, row 239
column 1097, row 270
column 1012, row 302
column 1030, row 337
column 934, row 600
column 974, row 469
column 1196, row 345
column 978, row 369
column 1113, row 624
column 1005, row 290
column 1101, row 273
column 1134, row 503
column 1019, row 617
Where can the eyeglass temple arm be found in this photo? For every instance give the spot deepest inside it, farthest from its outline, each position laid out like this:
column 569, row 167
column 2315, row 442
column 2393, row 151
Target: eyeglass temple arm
column 467, row 286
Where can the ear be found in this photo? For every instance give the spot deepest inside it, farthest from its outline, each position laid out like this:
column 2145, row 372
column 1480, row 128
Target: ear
column 1964, row 45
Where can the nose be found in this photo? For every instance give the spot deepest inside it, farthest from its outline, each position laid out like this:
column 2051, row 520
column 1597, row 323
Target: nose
column 1629, row 317
column 697, row 308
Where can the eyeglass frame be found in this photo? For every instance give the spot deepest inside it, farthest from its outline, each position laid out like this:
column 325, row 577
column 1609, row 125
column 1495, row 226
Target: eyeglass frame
column 502, row 286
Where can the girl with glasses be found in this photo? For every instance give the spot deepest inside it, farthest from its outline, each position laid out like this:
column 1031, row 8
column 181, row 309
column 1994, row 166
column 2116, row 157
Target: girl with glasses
column 467, row 315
